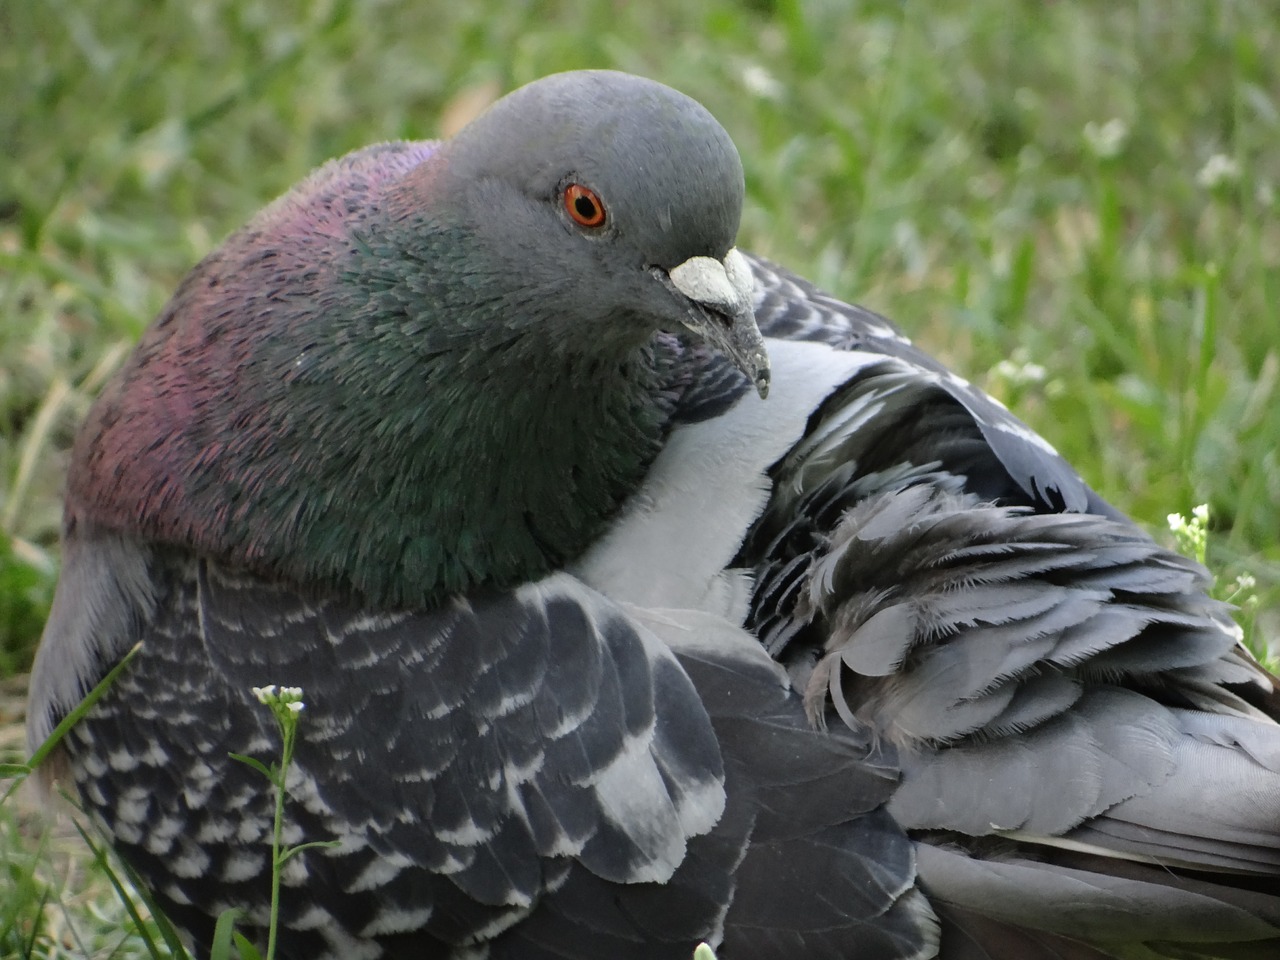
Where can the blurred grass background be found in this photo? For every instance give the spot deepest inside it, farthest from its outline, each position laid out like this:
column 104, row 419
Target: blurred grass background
column 1073, row 204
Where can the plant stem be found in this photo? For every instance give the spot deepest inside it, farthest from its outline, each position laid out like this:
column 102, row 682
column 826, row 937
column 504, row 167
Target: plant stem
column 277, row 831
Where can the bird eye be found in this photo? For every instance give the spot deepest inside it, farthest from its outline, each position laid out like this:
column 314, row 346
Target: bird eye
column 584, row 205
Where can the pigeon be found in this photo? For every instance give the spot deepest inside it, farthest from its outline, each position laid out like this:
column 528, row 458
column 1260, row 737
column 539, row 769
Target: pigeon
column 641, row 595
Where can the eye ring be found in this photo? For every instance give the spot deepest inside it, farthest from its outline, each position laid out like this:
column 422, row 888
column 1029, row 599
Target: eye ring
column 584, row 206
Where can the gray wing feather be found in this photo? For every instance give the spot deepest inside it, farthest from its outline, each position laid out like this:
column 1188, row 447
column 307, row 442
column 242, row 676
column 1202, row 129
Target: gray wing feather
column 1007, row 686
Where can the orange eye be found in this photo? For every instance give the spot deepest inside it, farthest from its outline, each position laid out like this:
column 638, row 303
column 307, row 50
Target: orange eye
column 584, row 205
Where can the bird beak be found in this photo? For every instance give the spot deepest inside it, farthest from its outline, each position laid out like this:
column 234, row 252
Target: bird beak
column 721, row 310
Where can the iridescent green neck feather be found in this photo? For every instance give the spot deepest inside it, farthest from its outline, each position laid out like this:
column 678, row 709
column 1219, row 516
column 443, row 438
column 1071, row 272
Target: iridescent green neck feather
column 387, row 424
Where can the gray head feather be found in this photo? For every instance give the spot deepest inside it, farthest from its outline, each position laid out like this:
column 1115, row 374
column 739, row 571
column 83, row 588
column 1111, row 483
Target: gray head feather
column 671, row 185
column 668, row 173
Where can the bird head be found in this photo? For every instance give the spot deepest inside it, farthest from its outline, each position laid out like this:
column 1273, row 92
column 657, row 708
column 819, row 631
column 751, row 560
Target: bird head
column 610, row 201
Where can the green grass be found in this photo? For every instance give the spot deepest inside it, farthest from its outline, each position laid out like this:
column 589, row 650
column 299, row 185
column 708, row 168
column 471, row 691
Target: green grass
column 1029, row 188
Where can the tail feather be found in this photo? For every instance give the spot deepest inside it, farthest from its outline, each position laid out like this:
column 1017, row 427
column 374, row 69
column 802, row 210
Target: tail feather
column 1121, row 907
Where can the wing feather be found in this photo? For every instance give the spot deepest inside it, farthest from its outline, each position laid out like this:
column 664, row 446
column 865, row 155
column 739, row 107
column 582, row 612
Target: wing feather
column 1087, row 752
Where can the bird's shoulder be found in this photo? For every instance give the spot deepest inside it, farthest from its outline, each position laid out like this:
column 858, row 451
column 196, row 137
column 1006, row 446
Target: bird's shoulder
column 343, row 186
column 930, row 403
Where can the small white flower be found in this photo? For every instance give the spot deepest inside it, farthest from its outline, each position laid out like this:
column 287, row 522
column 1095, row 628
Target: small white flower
column 265, row 694
column 1019, row 371
column 1218, row 171
column 1106, row 140
column 1191, row 535
column 295, row 706
column 759, row 81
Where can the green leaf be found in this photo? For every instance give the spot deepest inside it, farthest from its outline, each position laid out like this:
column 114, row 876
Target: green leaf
column 83, row 707
column 69, row 721
column 222, row 933
column 325, row 844
column 247, row 950
column 104, row 863
column 262, row 768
